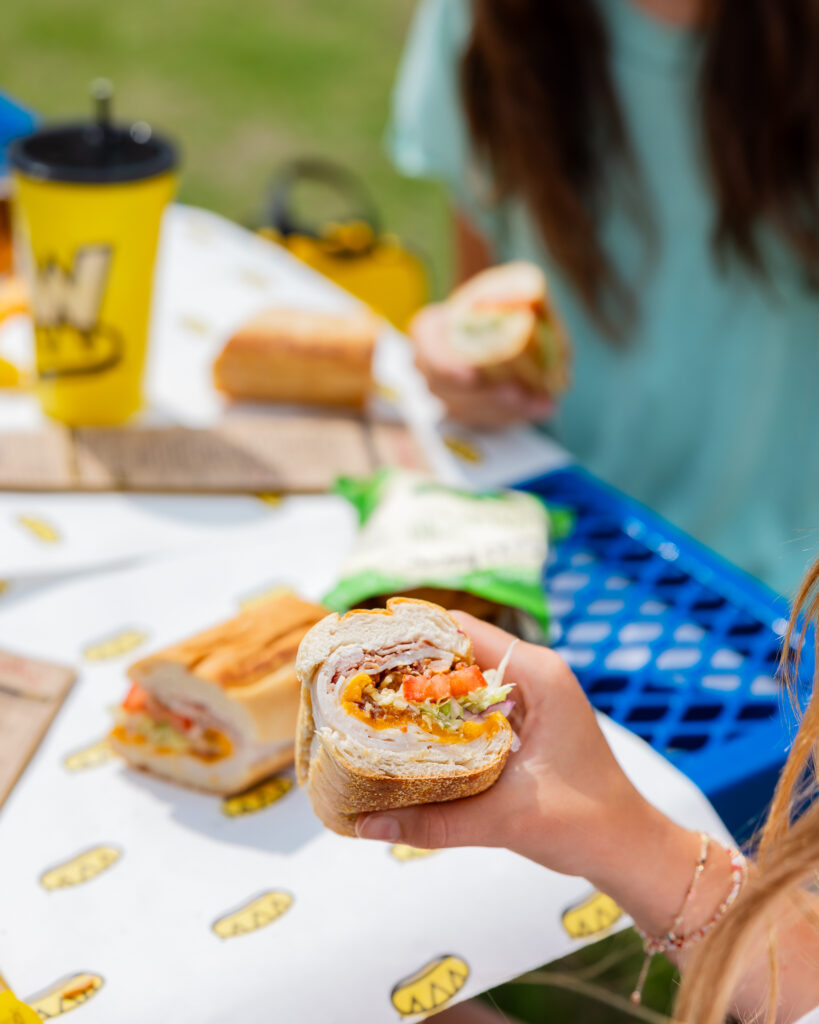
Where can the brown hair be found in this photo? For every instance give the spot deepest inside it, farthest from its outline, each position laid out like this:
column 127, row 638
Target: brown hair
column 788, row 855
column 543, row 111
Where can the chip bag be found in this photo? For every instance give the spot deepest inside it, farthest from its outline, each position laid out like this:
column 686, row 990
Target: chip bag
column 481, row 552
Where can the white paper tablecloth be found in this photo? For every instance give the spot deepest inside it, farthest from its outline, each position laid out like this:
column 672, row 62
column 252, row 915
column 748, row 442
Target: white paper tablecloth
column 360, row 919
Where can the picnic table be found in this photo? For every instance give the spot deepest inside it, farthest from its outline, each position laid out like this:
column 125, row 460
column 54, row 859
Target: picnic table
column 162, row 903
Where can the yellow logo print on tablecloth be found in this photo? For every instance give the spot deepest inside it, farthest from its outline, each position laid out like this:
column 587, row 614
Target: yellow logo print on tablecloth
column 115, row 646
column 596, row 914
column 463, row 449
column 65, row 995
column 258, row 913
column 258, row 797
column 82, row 868
column 430, row 988
column 89, row 757
column 403, row 852
column 272, row 593
column 41, row 529
column 389, row 394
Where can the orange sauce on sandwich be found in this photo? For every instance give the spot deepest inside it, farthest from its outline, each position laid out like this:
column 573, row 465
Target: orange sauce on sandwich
column 218, row 739
column 353, row 693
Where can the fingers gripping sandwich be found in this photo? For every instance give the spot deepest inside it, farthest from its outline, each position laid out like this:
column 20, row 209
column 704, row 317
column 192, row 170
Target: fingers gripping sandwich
column 502, row 322
column 219, row 711
column 394, row 712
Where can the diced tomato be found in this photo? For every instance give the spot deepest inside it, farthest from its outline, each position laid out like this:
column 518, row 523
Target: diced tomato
column 136, row 700
column 464, row 680
column 441, row 685
column 139, row 700
column 420, row 688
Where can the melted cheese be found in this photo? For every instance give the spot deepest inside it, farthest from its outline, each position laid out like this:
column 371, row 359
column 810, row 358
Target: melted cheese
column 401, row 719
column 218, row 739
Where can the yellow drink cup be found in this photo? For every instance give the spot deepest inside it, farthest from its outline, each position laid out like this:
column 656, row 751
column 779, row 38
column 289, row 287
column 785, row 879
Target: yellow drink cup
column 88, row 201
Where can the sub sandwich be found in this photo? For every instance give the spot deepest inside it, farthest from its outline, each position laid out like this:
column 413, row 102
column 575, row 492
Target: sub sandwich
column 289, row 355
column 394, row 712
column 219, row 711
column 502, row 322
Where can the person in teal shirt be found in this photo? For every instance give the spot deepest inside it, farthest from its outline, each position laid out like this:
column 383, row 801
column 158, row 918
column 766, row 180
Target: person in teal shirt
column 696, row 373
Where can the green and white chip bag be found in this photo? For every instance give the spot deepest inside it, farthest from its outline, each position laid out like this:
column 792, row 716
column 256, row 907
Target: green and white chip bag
column 430, row 540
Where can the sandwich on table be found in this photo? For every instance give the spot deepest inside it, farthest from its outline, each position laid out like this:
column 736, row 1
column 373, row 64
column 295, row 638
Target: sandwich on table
column 218, row 711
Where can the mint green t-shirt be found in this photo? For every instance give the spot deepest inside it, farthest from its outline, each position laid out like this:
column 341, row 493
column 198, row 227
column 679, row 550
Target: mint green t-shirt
column 710, row 412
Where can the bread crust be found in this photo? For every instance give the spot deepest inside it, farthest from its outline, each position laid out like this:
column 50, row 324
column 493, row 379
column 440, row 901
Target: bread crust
column 340, row 791
column 223, row 777
column 298, row 356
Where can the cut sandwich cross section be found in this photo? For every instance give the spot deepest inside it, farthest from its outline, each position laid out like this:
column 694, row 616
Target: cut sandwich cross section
column 453, row 705
column 502, row 321
column 219, row 711
column 395, row 712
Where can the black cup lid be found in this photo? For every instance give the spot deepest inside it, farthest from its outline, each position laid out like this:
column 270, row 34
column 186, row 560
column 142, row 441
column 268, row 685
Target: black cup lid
column 92, row 153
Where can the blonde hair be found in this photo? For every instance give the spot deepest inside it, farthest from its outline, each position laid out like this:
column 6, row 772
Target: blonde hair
column 788, row 855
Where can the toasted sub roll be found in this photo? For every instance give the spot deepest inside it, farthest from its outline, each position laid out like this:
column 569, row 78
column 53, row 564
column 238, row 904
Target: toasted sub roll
column 218, row 711
column 394, row 712
column 288, row 355
column 502, row 322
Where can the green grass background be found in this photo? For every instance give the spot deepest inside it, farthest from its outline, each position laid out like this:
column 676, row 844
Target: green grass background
column 244, row 85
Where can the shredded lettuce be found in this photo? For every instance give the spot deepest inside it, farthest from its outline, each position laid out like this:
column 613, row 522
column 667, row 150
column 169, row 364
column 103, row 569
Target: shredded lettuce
column 480, row 700
column 158, row 734
column 447, row 714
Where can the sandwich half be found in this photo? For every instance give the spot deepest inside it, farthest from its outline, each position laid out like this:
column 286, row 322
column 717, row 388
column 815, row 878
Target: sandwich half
column 219, row 711
column 394, row 712
column 291, row 355
column 503, row 322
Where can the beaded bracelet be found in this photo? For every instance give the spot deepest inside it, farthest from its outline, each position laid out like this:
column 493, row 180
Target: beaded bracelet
column 652, row 945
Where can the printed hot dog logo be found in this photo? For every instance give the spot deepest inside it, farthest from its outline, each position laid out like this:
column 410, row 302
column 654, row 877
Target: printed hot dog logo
column 403, row 852
column 430, row 988
column 89, row 757
column 65, row 995
column 114, row 646
column 463, row 449
column 257, row 913
column 40, row 528
column 596, row 914
column 258, row 797
column 81, row 868
column 271, row 593
column 66, row 303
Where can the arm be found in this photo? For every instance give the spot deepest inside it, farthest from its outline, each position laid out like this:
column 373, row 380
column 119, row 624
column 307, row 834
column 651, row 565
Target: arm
column 564, row 802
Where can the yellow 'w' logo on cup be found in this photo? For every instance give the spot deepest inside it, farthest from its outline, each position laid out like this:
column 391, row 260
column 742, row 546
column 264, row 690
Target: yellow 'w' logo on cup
column 66, row 305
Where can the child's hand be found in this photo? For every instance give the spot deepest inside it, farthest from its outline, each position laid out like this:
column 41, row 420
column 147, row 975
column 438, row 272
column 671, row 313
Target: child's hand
column 562, row 799
column 467, row 397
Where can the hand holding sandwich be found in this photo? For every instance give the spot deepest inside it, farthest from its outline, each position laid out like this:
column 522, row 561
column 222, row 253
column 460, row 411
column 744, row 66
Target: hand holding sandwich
column 562, row 800
column 468, row 398
column 495, row 352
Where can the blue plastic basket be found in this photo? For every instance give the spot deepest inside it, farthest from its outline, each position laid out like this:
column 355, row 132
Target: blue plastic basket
column 673, row 642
